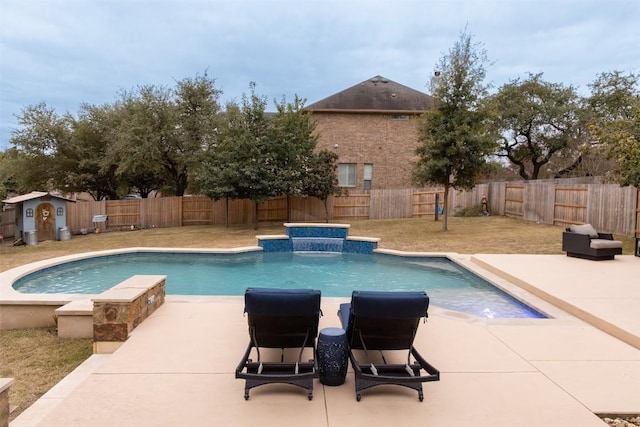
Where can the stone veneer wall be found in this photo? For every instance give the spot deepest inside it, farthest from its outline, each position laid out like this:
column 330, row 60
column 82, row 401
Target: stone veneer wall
column 119, row 310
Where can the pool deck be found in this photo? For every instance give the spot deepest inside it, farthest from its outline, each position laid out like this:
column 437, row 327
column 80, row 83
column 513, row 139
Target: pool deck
column 177, row 368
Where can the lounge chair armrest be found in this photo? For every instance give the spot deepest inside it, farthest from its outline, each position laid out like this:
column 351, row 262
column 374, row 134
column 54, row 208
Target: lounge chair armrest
column 575, row 242
column 607, row 236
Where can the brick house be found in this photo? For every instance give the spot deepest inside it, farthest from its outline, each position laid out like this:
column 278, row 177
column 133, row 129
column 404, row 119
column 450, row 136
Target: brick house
column 373, row 128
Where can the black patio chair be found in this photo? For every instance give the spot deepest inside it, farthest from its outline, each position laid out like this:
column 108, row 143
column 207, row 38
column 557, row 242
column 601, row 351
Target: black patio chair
column 378, row 322
column 280, row 319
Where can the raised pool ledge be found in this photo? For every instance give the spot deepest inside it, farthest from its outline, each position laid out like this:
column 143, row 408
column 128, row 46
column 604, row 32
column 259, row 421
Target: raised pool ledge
column 317, row 237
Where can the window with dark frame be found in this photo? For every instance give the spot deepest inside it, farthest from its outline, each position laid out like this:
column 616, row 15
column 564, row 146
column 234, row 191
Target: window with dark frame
column 368, row 176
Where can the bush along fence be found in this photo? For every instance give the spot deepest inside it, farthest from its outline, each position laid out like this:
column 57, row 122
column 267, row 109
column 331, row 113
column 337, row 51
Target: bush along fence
column 607, row 207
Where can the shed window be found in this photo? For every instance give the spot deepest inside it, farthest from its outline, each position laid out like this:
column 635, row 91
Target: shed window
column 60, row 211
column 29, row 213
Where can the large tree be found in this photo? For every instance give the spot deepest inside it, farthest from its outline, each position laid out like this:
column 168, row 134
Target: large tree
column 453, row 140
column 198, row 118
column 88, row 166
column 38, row 141
column 540, row 126
column 321, row 179
column 293, row 139
column 615, row 104
column 145, row 130
column 243, row 164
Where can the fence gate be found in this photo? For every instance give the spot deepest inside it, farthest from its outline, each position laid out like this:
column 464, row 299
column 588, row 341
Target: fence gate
column 352, row 207
column 514, row 200
column 273, row 210
column 570, row 205
column 123, row 213
column 197, row 211
column 423, row 203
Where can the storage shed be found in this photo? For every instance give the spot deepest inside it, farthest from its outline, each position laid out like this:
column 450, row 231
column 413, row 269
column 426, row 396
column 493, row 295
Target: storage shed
column 40, row 216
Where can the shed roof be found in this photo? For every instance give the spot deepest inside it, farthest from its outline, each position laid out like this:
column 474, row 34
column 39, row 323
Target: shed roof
column 34, row 195
column 378, row 94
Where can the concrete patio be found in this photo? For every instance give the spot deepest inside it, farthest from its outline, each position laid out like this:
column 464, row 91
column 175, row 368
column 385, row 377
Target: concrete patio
column 177, row 368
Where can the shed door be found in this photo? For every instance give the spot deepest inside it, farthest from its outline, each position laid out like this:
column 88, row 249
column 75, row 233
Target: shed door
column 46, row 221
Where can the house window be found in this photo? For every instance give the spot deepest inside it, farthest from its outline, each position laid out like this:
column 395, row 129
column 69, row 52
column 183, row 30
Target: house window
column 347, row 175
column 399, row 117
column 368, row 176
column 29, row 213
column 60, row 211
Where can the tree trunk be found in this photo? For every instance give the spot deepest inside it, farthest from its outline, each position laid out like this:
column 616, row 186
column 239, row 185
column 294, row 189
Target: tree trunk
column 446, row 207
column 255, row 215
column 326, row 210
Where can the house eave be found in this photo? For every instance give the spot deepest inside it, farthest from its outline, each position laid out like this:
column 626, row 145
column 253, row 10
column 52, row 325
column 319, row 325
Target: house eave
column 366, row 111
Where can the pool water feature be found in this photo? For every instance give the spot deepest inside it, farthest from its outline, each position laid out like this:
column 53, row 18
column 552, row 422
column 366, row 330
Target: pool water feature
column 449, row 285
column 317, row 244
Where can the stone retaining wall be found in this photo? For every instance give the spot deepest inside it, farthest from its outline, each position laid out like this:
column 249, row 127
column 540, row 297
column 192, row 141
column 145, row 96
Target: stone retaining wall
column 117, row 311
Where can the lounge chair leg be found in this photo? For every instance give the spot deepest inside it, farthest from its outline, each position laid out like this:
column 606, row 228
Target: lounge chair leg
column 246, row 394
column 358, row 397
column 310, row 395
column 420, row 396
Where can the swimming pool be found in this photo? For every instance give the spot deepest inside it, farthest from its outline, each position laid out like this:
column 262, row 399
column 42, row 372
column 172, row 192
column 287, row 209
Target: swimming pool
column 336, row 274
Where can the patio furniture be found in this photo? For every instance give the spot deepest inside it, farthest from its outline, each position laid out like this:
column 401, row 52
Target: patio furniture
column 333, row 356
column 281, row 319
column 583, row 241
column 377, row 325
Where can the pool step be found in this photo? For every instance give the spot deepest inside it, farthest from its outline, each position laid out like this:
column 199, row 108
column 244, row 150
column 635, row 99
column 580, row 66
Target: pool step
column 75, row 319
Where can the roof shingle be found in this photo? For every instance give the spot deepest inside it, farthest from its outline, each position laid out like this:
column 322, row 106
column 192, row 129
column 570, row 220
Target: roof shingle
column 379, row 94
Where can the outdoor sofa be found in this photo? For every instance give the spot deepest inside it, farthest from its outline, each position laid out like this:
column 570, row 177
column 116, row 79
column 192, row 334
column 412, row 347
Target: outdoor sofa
column 583, row 241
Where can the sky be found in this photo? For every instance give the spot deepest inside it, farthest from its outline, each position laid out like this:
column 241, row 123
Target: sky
column 70, row 52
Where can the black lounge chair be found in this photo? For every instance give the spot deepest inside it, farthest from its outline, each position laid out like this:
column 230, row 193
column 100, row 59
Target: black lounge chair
column 385, row 321
column 583, row 241
column 280, row 319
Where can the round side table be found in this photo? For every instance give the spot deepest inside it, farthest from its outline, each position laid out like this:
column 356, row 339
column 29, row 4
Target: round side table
column 333, row 355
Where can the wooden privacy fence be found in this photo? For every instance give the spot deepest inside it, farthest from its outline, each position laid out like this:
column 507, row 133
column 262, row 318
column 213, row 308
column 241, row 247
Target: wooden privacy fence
column 608, row 207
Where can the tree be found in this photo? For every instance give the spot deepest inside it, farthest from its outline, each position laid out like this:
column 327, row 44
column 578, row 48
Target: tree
column 615, row 104
column 42, row 132
column 144, row 129
column 321, row 179
column 198, row 115
column 292, row 132
column 453, row 141
column 8, row 182
column 243, row 164
column 87, row 164
column 539, row 122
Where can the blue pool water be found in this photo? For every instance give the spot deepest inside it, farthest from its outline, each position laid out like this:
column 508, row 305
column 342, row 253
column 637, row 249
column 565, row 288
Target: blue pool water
column 335, row 274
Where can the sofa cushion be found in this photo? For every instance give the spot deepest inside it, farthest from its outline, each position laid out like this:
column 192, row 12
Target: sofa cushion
column 584, row 229
column 605, row 244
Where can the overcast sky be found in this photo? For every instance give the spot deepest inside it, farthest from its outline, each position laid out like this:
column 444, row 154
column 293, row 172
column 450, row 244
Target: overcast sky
column 68, row 52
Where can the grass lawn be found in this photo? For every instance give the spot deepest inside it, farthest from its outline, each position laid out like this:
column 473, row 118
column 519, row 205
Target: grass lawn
column 37, row 359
